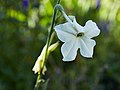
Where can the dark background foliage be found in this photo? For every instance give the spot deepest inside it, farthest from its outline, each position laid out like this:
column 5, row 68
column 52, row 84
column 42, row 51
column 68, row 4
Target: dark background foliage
column 23, row 31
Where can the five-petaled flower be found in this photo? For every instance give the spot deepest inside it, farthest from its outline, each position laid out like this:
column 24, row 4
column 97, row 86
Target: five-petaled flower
column 76, row 36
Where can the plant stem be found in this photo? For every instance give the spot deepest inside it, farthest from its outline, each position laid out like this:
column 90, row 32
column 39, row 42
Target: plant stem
column 37, row 83
column 48, row 44
column 50, row 32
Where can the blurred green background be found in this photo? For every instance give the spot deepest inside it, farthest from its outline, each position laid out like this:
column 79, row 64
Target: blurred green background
column 23, row 32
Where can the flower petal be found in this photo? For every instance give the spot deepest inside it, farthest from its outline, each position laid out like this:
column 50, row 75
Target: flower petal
column 69, row 50
column 65, row 32
column 86, row 46
column 38, row 63
column 91, row 29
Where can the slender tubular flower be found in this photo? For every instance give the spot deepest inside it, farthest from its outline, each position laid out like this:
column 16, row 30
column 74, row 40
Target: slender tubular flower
column 76, row 36
column 39, row 64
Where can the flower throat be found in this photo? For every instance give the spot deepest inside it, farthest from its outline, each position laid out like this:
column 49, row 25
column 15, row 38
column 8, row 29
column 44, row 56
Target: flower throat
column 80, row 34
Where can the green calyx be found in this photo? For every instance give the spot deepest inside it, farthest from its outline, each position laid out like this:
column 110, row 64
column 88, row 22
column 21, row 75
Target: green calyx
column 59, row 7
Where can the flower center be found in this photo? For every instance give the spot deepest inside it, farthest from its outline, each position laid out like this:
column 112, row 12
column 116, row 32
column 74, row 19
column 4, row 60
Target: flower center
column 80, row 34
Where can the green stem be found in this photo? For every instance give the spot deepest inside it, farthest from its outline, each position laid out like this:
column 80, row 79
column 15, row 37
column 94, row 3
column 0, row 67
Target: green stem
column 48, row 44
column 50, row 32
column 37, row 83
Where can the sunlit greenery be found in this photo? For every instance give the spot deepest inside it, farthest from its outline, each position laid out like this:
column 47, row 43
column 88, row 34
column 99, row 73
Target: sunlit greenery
column 24, row 26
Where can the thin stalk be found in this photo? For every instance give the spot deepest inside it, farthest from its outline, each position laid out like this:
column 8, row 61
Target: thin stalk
column 66, row 17
column 50, row 32
column 48, row 44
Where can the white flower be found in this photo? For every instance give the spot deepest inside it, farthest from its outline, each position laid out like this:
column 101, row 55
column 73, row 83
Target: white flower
column 39, row 63
column 76, row 36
